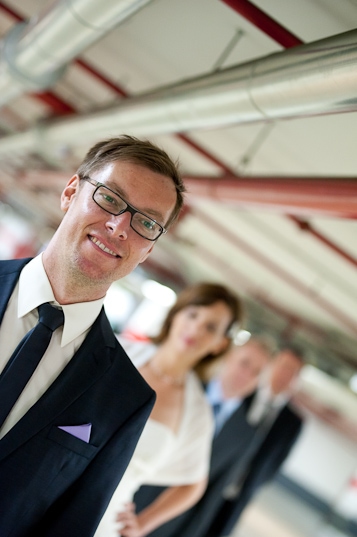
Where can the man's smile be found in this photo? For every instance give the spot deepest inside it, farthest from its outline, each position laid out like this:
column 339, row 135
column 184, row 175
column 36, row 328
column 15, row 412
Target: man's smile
column 102, row 246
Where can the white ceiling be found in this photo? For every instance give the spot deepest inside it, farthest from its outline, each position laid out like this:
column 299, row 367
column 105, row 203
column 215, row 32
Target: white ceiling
column 293, row 282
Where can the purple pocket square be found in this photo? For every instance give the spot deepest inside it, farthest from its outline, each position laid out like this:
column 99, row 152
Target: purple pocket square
column 79, row 431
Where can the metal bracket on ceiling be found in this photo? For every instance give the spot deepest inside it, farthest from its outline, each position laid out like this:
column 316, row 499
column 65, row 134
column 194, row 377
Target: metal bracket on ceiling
column 227, row 50
column 254, row 147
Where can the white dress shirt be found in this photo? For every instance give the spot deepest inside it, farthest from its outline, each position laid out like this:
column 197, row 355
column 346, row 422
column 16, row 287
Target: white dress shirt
column 263, row 402
column 33, row 289
column 228, row 406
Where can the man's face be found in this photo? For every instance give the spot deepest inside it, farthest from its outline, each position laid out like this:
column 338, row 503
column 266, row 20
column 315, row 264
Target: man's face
column 99, row 248
column 242, row 368
column 285, row 370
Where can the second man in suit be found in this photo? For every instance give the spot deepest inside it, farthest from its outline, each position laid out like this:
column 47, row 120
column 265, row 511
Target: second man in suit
column 280, row 425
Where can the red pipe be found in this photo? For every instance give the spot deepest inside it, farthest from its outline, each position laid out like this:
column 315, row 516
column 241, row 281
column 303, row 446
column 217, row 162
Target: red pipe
column 11, row 12
column 58, row 105
column 205, row 153
column 99, row 76
column 264, row 22
column 309, row 195
column 305, row 226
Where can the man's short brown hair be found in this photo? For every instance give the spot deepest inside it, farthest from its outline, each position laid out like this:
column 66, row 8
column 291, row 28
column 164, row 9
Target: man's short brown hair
column 142, row 152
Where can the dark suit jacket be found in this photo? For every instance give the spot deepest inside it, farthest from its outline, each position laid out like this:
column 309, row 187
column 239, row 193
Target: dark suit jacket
column 263, row 467
column 51, row 483
column 238, row 450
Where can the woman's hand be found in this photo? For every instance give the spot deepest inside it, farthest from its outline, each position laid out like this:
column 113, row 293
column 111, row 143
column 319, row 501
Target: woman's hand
column 170, row 503
column 129, row 522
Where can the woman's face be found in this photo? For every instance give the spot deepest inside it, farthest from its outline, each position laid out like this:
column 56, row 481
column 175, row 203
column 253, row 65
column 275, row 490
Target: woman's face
column 197, row 331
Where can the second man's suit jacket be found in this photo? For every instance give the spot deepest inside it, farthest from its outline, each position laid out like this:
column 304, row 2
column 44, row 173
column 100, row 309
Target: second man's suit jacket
column 53, row 484
column 239, row 451
column 265, row 464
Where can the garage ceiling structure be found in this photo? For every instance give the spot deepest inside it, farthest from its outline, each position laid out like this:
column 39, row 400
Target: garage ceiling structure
column 258, row 102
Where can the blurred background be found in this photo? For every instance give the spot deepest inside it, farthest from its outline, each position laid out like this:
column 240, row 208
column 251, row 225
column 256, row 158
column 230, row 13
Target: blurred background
column 257, row 101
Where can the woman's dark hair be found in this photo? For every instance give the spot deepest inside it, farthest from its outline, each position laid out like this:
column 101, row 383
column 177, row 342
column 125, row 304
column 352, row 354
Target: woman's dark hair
column 204, row 294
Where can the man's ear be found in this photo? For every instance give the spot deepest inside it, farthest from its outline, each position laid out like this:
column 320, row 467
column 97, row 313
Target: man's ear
column 69, row 192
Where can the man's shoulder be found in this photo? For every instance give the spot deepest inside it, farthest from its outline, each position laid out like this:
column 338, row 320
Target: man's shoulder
column 294, row 413
column 290, row 419
column 124, row 362
column 8, row 266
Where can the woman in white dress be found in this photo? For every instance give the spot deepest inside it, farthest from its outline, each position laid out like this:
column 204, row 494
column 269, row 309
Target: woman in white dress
column 174, row 448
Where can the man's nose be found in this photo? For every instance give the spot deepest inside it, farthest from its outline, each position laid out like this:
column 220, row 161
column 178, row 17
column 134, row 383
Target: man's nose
column 119, row 225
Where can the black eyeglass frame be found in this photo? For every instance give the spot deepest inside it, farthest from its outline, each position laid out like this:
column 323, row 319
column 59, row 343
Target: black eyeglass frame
column 129, row 208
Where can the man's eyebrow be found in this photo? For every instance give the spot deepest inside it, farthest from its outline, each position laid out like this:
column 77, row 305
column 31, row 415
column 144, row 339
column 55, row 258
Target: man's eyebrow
column 149, row 211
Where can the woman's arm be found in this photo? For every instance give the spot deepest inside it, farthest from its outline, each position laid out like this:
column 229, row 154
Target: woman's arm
column 171, row 503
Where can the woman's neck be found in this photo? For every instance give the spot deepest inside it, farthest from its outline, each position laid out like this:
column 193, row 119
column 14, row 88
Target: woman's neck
column 170, row 362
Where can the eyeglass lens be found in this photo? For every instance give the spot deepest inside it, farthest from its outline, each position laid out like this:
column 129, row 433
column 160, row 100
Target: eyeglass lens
column 112, row 203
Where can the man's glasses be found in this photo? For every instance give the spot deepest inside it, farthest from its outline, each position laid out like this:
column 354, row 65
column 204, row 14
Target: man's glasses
column 112, row 203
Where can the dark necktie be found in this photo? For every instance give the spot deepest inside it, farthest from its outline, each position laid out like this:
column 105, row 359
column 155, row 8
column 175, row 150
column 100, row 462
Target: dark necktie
column 217, row 407
column 26, row 357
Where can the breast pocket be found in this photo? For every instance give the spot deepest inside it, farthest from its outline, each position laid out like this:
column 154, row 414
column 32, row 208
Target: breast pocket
column 68, row 441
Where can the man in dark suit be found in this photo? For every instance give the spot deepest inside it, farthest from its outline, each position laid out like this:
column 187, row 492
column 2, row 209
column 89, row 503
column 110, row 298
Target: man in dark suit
column 250, row 446
column 69, row 434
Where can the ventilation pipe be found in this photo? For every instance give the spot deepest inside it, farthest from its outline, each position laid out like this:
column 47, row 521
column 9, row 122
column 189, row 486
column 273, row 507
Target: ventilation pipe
column 314, row 79
column 34, row 55
column 332, row 196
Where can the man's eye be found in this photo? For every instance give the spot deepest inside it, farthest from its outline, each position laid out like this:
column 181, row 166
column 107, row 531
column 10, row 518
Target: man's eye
column 148, row 224
column 109, row 199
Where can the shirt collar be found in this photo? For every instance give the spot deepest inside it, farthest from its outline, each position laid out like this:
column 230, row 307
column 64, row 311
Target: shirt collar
column 215, row 393
column 277, row 401
column 35, row 289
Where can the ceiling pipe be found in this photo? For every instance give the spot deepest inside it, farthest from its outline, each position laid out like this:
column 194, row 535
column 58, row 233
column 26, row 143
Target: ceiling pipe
column 264, row 22
column 57, row 104
column 34, row 55
column 313, row 79
column 297, row 195
column 311, row 195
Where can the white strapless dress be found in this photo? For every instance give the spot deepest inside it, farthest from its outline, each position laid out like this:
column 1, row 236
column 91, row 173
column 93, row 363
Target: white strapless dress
column 152, row 450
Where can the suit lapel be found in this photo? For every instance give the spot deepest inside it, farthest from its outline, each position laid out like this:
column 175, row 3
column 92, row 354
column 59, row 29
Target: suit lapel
column 89, row 363
column 9, row 275
column 235, row 422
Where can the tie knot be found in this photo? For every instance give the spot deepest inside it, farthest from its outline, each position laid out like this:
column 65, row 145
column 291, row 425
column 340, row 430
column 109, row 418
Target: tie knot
column 50, row 316
column 216, row 407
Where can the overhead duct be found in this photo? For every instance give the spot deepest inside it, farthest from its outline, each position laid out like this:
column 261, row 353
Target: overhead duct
column 333, row 196
column 35, row 54
column 314, row 79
